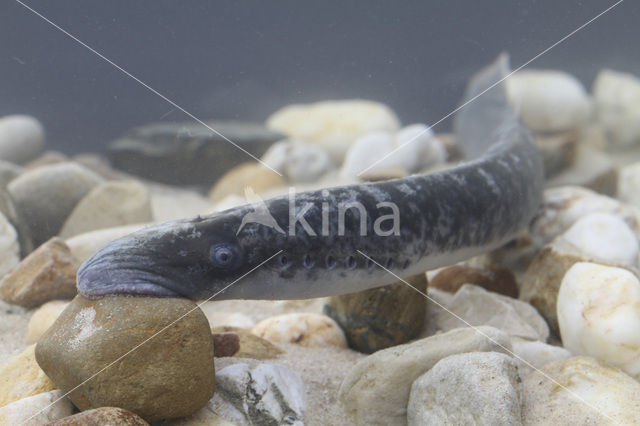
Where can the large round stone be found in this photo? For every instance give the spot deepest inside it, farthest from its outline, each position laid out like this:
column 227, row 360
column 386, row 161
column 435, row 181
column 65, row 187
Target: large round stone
column 151, row 356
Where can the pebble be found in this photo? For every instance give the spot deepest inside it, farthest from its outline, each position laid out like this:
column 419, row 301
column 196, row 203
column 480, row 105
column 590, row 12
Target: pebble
column 541, row 281
column 306, row 329
column 629, row 184
column 252, row 175
column 491, row 277
column 592, row 168
column 606, row 237
column 298, row 161
column 381, row 317
column 607, row 395
column 47, row 158
column 48, row 273
column 599, row 314
column 533, row 355
column 45, row 196
column 9, row 246
column 103, row 416
column 617, row 99
column 268, row 394
column 166, row 377
column 225, row 344
column 8, row 172
column 411, row 149
column 189, row 153
column 335, row 124
column 250, row 345
column 478, row 306
column 563, row 206
column 109, row 205
column 43, row 318
column 37, row 410
column 558, row 150
column 548, row 100
column 8, row 209
column 376, row 390
column 84, row 245
column 478, row 388
column 21, row 377
column 21, row 138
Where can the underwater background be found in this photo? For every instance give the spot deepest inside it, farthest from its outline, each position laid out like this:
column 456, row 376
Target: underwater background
column 244, row 60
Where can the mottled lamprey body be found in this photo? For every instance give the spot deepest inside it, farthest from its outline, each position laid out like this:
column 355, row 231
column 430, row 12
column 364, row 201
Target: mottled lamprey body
column 442, row 218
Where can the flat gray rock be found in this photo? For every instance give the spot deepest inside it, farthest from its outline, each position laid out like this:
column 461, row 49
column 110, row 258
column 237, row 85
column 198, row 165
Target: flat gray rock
column 189, row 153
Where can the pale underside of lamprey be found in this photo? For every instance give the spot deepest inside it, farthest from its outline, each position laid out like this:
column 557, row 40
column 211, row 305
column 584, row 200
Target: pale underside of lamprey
column 322, row 246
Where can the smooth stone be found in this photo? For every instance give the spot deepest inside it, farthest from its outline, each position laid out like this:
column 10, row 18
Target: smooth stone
column 189, row 153
column 548, row 100
column 253, row 175
column 411, row 149
column 167, row 377
column 174, row 203
column 251, row 346
column 629, row 184
column 491, row 277
column 473, row 305
column 305, row 329
column 268, row 394
column 45, row 196
column 563, row 206
column 558, row 150
column 478, row 388
column 606, row 237
column 298, row 161
column 334, row 124
column 37, row 410
column 225, row 344
column 8, row 172
column 381, row 317
column 541, row 281
column 599, row 314
column 43, row 318
column 9, row 246
column 109, row 205
column 103, row 416
column 83, row 246
column 592, row 168
column 21, row 138
column 617, row 99
column 21, row 377
column 533, row 355
column 47, row 158
column 607, row 395
column 10, row 212
column 376, row 390
column 48, row 273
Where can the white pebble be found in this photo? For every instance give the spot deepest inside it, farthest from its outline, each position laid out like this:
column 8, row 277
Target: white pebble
column 599, row 314
column 305, row 329
column 617, row 98
column 548, row 101
column 629, row 184
column 37, row 409
column 411, row 149
column 21, row 138
column 298, row 161
column 333, row 124
column 605, row 237
column 9, row 246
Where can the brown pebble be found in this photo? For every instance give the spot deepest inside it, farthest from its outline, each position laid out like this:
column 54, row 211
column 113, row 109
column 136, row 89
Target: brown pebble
column 251, row 346
column 48, row 273
column 492, row 278
column 225, row 344
column 103, row 416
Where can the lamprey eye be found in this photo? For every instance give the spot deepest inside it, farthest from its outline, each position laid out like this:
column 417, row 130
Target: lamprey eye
column 224, row 256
